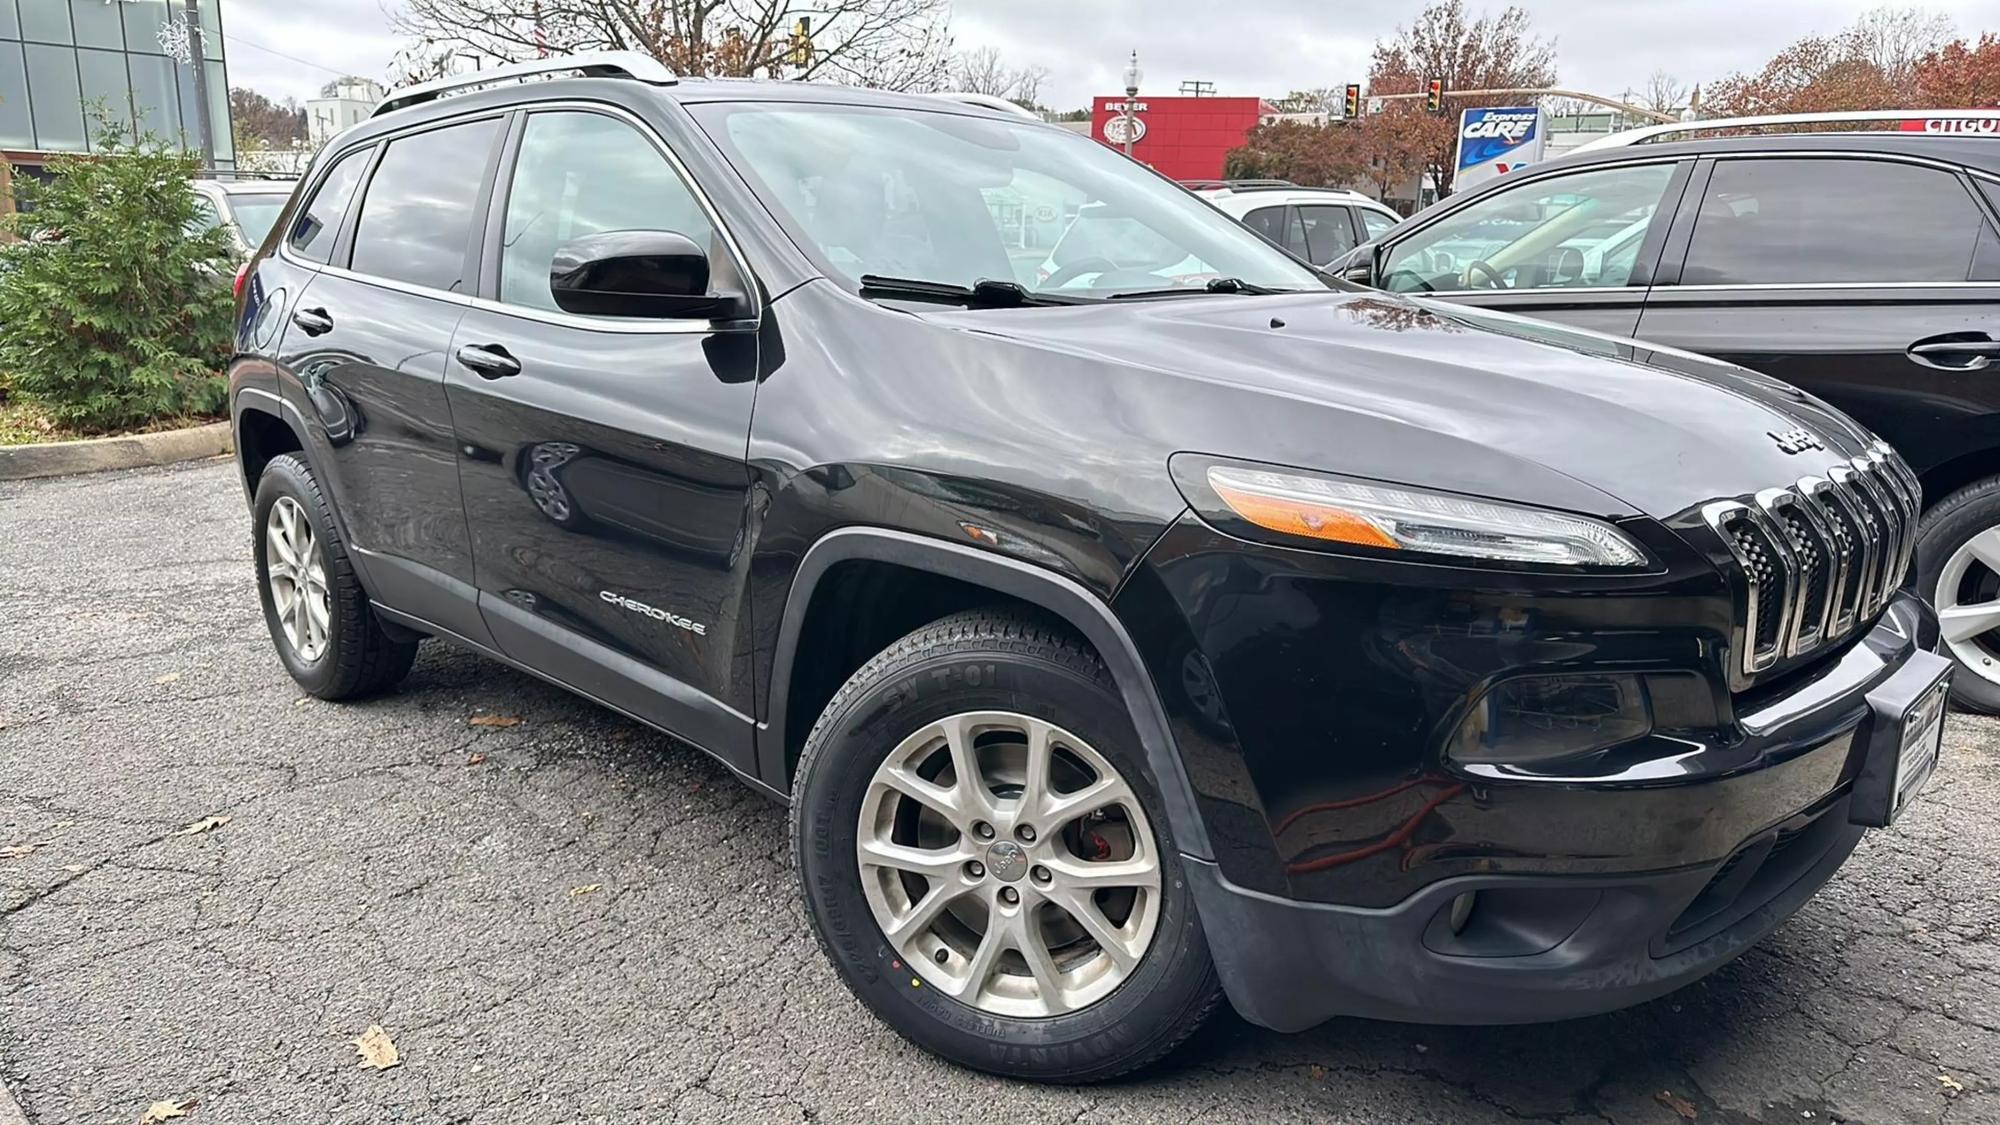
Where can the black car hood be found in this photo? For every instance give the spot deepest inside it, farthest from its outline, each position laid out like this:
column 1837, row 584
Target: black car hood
column 1657, row 429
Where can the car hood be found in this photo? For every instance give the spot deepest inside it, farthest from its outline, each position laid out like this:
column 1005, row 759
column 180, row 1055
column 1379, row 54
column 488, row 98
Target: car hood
column 1657, row 429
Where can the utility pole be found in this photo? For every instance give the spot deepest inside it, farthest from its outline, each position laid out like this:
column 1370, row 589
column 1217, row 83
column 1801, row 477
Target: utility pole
column 198, row 60
column 1133, row 76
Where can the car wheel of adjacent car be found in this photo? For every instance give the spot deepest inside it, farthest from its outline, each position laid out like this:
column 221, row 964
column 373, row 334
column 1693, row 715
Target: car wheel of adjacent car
column 1958, row 568
column 986, row 862
column 327, row 634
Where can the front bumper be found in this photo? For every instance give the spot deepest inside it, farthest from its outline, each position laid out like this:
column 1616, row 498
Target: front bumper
column 1545, row 946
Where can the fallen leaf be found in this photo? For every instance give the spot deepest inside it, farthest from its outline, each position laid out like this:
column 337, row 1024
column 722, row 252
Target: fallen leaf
column 1318, row 1073
column 494, row 721
column 205, row 824
column 160, row 1111
column 475, row 759
column 377, row 1050
column 301, row 701
column 1681, row 1106
column 587, row 888
column 170, row 677
column 73, row 868
column 1952, row 1086
column 17, row 851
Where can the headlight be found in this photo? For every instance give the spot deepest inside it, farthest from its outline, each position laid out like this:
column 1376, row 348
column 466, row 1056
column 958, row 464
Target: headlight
column 1302, row 509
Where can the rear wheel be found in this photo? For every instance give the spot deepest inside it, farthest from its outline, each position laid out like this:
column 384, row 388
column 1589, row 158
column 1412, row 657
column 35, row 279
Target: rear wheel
column 1958, row 568
column 326, row 632
column 985, row 860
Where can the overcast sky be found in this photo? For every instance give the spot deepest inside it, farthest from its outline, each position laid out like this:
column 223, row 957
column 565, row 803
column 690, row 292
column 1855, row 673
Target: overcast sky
column 1265, row 47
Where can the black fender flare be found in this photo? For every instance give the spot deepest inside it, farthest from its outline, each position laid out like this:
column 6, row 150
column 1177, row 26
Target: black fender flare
column 1064, row 597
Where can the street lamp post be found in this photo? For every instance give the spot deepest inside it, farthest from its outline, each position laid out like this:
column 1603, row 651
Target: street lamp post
column 1132, row 76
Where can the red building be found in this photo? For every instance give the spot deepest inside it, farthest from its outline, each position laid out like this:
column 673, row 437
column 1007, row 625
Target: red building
column 1182, row 137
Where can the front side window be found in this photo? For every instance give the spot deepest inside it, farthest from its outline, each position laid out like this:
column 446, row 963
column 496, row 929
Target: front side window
column 318, row 222
column 913, row 196
column 1580, row 230
column 1329, row 233
column 416, row 216
column 581, row 174
column 1802, row 220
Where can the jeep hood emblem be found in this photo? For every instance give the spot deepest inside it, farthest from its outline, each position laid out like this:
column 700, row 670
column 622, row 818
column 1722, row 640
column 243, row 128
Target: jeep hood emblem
column 1796, row 440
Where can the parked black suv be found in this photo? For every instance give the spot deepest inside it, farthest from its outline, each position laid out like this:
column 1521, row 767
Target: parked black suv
column 1121, row 639
column 1863, row 267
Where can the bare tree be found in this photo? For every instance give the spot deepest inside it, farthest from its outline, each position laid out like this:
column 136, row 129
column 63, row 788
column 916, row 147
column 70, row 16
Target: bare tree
column 1895, row 40
column 984, row 70
column 1663, row 93
column 894, row 44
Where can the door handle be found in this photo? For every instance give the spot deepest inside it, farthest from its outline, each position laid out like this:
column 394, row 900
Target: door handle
column 1975, row 354
column 489, row 361
column 313, row 322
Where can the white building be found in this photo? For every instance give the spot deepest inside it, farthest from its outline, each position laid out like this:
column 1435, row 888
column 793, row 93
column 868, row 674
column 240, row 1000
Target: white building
column 352, row 101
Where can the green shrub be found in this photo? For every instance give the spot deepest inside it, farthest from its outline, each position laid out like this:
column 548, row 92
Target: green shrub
column 114, row 312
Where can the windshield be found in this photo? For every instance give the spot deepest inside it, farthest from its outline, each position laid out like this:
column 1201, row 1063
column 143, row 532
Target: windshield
column 956, row 199
column 254, row 215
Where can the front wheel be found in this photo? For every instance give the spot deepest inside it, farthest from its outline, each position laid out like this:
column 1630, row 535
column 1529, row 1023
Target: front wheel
column 986, row 862
column 1958, row 569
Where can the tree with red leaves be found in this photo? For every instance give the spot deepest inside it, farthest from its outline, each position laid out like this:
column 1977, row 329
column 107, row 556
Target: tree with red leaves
column 1960, row 75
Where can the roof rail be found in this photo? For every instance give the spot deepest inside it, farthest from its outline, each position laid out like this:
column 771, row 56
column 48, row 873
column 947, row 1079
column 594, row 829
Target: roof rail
column 989, row 101
column 1653, row 132
column 591, row 64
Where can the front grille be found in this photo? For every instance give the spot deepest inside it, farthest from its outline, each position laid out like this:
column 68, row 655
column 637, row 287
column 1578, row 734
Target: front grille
column 1817, row 559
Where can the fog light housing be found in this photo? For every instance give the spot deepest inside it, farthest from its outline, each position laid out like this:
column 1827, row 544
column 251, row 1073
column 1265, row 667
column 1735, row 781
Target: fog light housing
column 1535, row 720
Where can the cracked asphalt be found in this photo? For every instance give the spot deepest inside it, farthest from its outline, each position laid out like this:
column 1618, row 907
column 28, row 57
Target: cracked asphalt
column 576, row 919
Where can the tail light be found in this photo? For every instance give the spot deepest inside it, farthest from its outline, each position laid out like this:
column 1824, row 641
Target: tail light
column 242, row 275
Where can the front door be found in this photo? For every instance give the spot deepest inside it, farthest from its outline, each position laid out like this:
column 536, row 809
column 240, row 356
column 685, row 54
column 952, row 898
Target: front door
column 602, row 460
column 1575, row 248
column 1867, row 281
column 367, row 344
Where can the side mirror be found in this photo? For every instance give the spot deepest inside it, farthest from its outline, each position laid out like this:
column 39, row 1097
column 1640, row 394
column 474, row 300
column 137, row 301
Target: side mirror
column 1357, row 265
column 652, row 274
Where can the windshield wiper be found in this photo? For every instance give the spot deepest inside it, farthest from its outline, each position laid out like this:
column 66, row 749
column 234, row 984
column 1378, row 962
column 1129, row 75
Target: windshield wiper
column 1215, row 285
column 984, row 293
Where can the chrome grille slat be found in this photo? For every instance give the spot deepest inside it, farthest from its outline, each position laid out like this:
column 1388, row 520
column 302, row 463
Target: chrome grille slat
column 1817, row 559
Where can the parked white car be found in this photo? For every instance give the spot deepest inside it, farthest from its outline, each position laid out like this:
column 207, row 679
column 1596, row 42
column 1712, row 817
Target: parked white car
column 1316, row 224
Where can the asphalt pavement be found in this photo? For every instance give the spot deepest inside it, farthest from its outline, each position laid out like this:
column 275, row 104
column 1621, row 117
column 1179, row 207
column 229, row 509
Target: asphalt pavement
column 211, row 886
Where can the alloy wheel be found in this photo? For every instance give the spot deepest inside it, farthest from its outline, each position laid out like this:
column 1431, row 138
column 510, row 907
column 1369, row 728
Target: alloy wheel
column 297, row 579
column 1968, row 604
column 1009, row 864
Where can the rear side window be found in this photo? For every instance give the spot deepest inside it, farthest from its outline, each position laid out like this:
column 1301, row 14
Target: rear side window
column 1329, row 233
column 416, row 217
column 1269, row 222
column 581, row 174
column 318, row 222
column 1796, row 221
column 1375, row 222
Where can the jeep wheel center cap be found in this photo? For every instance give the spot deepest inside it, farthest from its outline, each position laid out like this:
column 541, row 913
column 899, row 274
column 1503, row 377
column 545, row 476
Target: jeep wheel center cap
column 1007, row 861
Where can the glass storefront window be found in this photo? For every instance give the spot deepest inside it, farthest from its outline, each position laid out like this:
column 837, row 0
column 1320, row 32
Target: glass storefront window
column 143, row 20
column 10, row 23
column 153, row 96
column 105, row 92
column 46, row 21
column 211, row 28
column 58, row 100
column 96, row 24
column 218, row 111
column 16, row 129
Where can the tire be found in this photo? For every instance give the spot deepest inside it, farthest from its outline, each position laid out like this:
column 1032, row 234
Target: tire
column 349, row 654
column 976, row 668
column 1950, row 575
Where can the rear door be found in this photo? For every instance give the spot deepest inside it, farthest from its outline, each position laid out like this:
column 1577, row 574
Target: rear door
column 603, row 458
column 1576, row 247
column 367, row 342
column 1329, row 231
column 1869, row 281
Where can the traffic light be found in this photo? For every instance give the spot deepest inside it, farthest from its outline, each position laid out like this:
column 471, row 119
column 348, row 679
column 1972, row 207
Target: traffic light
column 1350, row 105
column 1434, row 95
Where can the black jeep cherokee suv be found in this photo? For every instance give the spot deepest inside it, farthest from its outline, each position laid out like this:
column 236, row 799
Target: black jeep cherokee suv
column 1159, row 628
